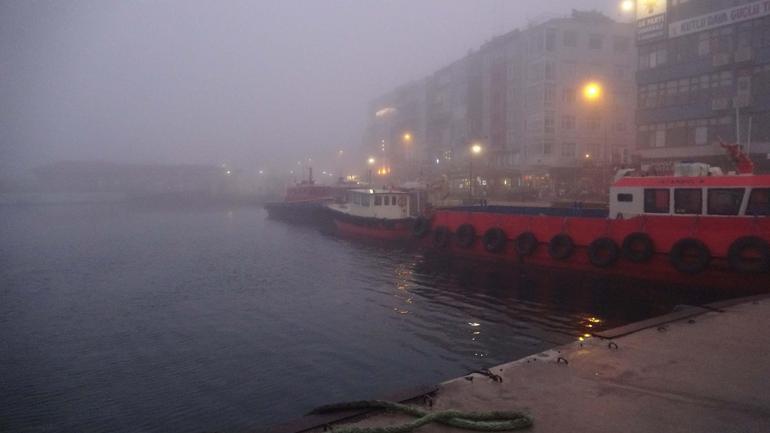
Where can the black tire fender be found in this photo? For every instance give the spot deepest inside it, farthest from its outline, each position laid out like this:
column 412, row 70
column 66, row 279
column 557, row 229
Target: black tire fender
column 494, row 240
column 638, row 247
column 561, row 247
column 603, row 252
column 690, row 256
column 441, row 237
column 526, row 244
column 466, row 235
column 738, row 260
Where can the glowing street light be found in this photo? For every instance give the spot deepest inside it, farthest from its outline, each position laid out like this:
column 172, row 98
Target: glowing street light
column 407, row 137
column 627, row 6
column 592, row 91
column 371, row 162
column 476, row 149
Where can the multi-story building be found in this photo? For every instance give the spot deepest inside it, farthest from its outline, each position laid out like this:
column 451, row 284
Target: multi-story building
column 704, row 76
column 520, row 96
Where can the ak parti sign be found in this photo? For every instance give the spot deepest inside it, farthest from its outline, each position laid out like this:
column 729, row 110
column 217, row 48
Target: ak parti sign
column 721, row 18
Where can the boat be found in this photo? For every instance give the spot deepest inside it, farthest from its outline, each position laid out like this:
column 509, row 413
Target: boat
column 383, row 214
column 696, row 225
column 305, row 202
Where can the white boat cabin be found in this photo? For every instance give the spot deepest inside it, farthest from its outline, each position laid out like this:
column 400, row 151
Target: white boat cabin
column 376, row 203
column 707, row 195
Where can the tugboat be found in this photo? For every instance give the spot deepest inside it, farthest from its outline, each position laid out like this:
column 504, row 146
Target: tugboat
column 305, row 202
column 695, row 226
column 382, row 214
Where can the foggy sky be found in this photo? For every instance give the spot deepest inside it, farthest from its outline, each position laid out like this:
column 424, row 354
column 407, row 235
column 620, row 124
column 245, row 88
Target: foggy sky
column 251, row 83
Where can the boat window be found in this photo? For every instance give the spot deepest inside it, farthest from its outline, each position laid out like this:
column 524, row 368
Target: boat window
column 725, row 201
column 688, row 201
column 378, row 200
column 656, row 200
column 626, row 197
column 393, row 200
column 356, row 198
column 759, row 202
column 364, row 200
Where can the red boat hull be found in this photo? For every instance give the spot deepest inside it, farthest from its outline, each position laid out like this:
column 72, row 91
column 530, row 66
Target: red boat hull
column 717, row 233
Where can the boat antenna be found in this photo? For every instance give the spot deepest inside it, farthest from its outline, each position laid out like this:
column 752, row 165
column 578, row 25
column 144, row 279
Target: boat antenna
column 742, row 161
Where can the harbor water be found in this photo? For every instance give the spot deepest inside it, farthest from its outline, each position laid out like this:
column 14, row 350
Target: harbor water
column 125, row 319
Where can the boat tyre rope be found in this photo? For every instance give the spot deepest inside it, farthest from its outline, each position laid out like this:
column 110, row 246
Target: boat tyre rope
column 638, row 247
column 690, row 256
column 492, row 421
column 494, row 240
column 749, row 254
column 466, row 235
column 561, row 247
column 420, row 227
column 441, row 237
column 603, row 252
column 526, row 244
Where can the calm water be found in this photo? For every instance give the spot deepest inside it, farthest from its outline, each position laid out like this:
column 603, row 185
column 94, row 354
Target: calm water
column 141, row 320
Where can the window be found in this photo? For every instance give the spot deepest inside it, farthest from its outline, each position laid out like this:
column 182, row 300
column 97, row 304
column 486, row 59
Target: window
column 725, row 201
column 570, row 38
column 701, row 135
column 568, row 150
column 550, row 39
column 759, row 202
column 365, row 200
column 378, row 200
column 567, row 122
column 626, row 198
column 656, row 200
column 595, row 42
column 688, row 201
column 568, row 96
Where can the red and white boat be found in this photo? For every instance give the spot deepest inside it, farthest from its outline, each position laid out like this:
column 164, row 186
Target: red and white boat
column 697, row 226
column 374, row 213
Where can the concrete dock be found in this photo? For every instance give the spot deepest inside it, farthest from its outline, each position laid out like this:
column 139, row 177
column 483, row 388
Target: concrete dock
column 699, row 369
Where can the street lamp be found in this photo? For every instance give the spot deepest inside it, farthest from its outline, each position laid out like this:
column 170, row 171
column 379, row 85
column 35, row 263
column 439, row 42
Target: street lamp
column 371, row 162
column 627, row 6
column 475, row 150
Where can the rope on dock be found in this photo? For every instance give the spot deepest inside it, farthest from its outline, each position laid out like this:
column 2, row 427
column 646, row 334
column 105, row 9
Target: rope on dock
column 493, row 421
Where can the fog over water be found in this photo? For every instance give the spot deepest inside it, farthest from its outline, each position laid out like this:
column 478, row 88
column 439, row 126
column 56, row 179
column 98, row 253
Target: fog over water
column 234, row 81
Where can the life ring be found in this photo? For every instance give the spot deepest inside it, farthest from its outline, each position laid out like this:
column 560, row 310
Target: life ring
column 690, row 256
column 603, row 252
column 402, row 201
column 441, row 237
column 420, row 227
column 561, row 247
column 749, row 254
column 466, row 235
column 638, row 247
column 526, row 244
column 494, row 240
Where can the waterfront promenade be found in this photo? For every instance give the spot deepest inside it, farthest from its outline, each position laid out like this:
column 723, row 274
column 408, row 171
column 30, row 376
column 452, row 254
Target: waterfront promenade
column 698, row 369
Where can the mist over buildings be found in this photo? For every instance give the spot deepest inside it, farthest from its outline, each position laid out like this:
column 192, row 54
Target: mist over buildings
column 248, row 83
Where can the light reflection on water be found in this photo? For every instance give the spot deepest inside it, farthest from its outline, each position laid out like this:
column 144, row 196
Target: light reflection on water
column 118, row 319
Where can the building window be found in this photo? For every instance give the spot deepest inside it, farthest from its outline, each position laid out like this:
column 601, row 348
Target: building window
column 595, row 42
column 688, row 201
column 567, row 122
column 570, row 38
column 701, row 135
column 759, row 202
column 593, row 123
column 725, row 201
column 568, row 150
column 621, row 44
column 568, row 96
column 547, row 147
column 550, row 39
column 625, row 197
column 656, row 200
column 659, row 138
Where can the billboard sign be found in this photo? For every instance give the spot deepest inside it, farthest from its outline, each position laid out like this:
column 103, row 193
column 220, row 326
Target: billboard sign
column 721, row 18
column 651, row 19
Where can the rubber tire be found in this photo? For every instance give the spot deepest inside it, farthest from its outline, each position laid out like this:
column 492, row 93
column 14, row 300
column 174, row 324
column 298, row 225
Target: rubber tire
column 561, row 247
column 635, row 255
column 494, row 240
column 440, row 237
column 677, row 256
column 421, row 227
column 606, row 245
column 739, row 264
column 466, row 236
column 526, row 244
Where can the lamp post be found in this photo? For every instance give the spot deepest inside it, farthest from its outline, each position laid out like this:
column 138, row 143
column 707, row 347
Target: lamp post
column 371, row 162
column 593, row 92
column 475, row 150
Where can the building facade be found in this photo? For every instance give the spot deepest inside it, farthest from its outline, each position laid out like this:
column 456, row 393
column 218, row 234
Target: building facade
column 520, row 97
column 704, row 76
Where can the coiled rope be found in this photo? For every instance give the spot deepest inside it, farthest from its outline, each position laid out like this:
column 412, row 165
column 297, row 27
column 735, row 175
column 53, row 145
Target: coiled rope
column 493, row 421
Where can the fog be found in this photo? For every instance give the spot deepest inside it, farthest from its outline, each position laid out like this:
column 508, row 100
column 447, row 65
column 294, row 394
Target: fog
column 249, row 83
